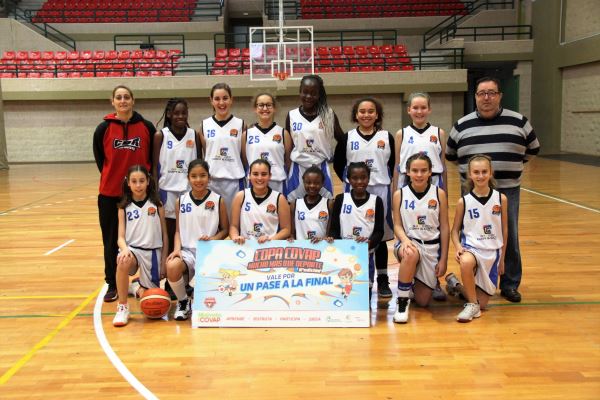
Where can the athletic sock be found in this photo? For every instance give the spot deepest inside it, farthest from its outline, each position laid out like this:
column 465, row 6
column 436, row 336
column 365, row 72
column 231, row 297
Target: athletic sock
column 179, row 289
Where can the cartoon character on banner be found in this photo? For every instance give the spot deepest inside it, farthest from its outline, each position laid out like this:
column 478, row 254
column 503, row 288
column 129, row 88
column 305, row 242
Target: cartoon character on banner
column 346, row 277
column 228, row 281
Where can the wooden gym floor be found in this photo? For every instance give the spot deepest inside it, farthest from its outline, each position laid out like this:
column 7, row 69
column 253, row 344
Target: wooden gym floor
column 547, row 347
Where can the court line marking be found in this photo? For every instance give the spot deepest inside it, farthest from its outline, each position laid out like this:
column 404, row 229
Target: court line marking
column 68, row 242
column 42, row 343
column 64, row 296
column 110, row 353
column 562, row 200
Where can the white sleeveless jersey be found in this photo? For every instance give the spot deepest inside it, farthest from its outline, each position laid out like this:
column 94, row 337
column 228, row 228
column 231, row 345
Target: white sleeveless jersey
column 223, row 148
column 198, row 218
column 357, row 221
column 259, row 219
column 142, row 226
column 482, row 223
column 375, row 153
column 175, row 155
column 268, row 146
column 421, row 217
column 311, row 146
column 311, row 222
column 428, row 142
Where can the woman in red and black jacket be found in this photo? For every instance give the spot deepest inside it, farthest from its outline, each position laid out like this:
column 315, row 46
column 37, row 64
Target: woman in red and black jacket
column 123, row 139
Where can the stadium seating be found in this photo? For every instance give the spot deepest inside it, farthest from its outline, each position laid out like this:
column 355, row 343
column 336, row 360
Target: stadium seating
column 332, row 9
column 115, row 11
column 86, row 63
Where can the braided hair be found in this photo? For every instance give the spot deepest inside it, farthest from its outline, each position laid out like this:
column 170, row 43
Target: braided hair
column 171, row 104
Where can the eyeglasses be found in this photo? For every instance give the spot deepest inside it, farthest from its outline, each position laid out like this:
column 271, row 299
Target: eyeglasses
column 489, row 93
column 265, row 105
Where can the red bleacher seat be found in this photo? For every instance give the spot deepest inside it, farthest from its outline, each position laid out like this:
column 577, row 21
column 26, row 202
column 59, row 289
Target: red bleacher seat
column 235, row 52
column 222, row 53
column 22, row 55
column 8, row 55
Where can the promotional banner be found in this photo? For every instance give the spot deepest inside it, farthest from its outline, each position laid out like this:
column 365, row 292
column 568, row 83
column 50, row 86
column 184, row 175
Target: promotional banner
column 281, row 283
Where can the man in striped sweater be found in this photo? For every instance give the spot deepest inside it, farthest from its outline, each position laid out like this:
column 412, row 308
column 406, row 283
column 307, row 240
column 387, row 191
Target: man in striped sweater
column 508, row 138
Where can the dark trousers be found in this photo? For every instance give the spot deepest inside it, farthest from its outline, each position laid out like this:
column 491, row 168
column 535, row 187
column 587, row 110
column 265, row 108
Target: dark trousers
column 512, row 258
column 109, row 224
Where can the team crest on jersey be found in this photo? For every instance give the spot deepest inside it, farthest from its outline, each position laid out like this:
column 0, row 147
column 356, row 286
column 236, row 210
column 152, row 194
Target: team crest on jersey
column 210, row 302
column 310, row 142
column 496, row 210
column 370, row 214
column 411, row 140
column 210, row 205
column 129, row 144
column 380, row 144
column 258, row 226
column 487, row 229
column 264, row 155
column 151, row 211
column 179, row 163
column 223, row 151
column 432, row 204
column 433, row 139
column 323, row 215
column 421, row 219
column 356, row 230
column 277, row 138
column 311, row 234
column 271, row 209
column 189, row 143
column 233, row 132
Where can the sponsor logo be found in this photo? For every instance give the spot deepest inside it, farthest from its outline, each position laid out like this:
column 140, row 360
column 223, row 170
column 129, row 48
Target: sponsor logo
column 277, row 138
column 311, row 234
column 129, row 144
column 271, row 209
column 496, row 210
column 487, row 229
column 151, row 211
column 223, row 151
column 264, row 155
column 323, row 215
column 356, row 230
column 210, row 205
column 179, row 163
column 369, row 162
column 233, row 132
column 432, row 204
column 258, row 227
column 421, row 219
column 310, row 142
column 380, row 144
column 210, row 302
column 208, row 317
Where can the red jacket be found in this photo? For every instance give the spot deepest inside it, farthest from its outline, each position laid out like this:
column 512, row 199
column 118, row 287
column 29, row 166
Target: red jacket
column 117, row 146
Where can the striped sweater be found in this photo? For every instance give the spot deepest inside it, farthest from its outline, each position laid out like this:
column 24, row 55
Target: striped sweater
column 508, row 139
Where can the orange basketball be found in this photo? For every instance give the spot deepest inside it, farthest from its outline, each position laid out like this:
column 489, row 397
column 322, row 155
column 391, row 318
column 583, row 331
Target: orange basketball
column 155, row 303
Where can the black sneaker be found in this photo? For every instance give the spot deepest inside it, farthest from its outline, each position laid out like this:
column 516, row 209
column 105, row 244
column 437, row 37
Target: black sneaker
column 183, row 310
column 170, row 291
column 111, row 294
column 383, row 287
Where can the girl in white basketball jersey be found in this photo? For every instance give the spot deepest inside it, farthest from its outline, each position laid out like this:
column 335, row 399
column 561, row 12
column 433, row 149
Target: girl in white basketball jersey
column 370, row 143
column 201, row 215
column 479, row 234
column 358, row 215
column 259, row 212
column 421, row 225
column 222, row 144
column 420, row 137
column 313, row 127
column 312, row 213
column 142, row 239
column 269, row 141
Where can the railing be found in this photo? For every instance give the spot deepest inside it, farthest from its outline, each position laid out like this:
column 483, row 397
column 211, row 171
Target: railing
column 363, row 36
column 453, row 58
column 474, row 32
column 471, row 7
column 291, row 8
column 149, row 41
column 43, row 28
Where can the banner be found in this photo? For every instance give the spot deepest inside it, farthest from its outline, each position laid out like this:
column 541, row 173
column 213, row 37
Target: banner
column 281, row 284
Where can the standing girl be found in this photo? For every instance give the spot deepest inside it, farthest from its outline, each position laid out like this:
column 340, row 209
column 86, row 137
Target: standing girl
column 123, row 139
column 368, row 142
column 312, row 213
column 421, row 137
column 259, row 212
column 201, row 215
column 222, row 141
column 269, row 141
column 358, row 215
column 421, row 226
column 313, row 127
column 142, row 238
column 479, row 234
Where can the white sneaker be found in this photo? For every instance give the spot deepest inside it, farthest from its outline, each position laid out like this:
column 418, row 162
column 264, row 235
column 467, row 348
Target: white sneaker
column 133, row 289
column 470, row 311
column 401, row 314
column 184, row 308
column 122, row 315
